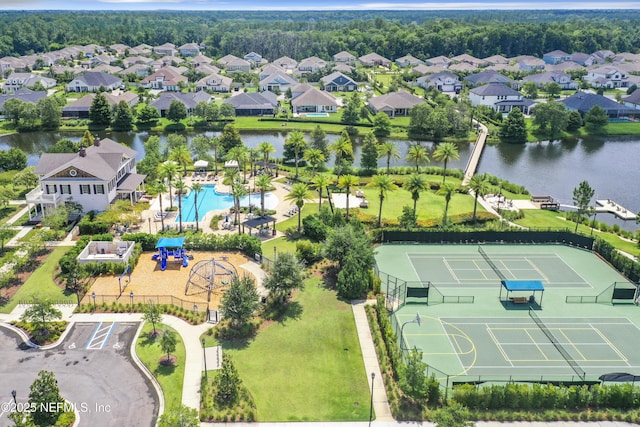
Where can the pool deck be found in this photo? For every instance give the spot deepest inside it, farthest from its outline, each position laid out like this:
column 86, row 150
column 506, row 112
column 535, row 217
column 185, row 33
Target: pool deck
column 152, row 224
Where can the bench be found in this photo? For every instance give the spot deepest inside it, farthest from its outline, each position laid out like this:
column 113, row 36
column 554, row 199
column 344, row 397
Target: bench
column 519, row 300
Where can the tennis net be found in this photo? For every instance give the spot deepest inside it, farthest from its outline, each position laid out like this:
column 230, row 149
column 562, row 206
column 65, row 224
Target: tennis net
column 493, row 266
column 574, row 365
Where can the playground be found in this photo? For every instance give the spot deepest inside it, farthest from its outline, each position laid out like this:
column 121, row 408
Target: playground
column 149, row 281
column 458, row 305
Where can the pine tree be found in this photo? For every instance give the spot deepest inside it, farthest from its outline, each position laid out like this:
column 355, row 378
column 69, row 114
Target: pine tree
column 100, row 111
column 122, row 118
column 514, row 127
column 369, row 157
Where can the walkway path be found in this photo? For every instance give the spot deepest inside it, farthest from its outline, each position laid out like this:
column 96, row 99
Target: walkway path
column 472, row 164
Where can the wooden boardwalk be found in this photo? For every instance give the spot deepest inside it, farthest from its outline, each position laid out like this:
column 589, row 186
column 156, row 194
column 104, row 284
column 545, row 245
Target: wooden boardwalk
column 472, row 164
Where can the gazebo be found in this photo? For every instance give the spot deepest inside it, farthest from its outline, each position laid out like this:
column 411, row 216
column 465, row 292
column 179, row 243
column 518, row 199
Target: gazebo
column 528, row 286
column 258, row 223
column 201, row 165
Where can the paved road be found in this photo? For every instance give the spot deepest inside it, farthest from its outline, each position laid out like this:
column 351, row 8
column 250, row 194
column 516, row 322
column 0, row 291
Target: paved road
column 85, row 365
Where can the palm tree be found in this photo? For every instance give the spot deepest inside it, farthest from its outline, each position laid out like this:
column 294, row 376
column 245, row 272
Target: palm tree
column 253, row 156
column 263, row 182
column 168, row 171
column 447, row 190
column 342, row 147
column 479, row 184
column 384, row 184
column 298, row 144
column 181, row 187
column 315, row 157
column 299, row 193
column 182, row 156
column 196, row 188
column 160, row 188
column 266, row 148
column 319, row 182
column 215, row 144
column 346, row 182
column 236, row 154
column 414, row 185
column 238, row 191
column 418, row 154
column 445, row 152
column 388, row 150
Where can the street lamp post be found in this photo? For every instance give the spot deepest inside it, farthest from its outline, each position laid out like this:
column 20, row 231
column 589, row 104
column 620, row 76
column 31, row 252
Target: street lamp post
column 131, row 299
column 75, row 286
column 13, row 394
column 93, row 295
column 205, row 359
column 417, row 320
column 373, row 377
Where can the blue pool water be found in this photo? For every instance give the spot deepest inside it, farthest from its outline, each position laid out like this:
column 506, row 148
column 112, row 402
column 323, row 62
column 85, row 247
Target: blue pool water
column 210, row 200
column 317, row 114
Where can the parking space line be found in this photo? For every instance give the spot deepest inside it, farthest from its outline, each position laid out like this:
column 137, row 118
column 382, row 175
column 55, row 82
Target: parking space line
column 100, row 336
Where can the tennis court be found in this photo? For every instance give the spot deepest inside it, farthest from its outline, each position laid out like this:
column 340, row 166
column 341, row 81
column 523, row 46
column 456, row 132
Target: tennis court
column 519, row 347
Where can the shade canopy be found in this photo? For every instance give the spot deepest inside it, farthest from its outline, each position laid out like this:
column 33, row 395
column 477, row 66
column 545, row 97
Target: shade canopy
column 523, row 285
column 170, row 242
column 200, row 164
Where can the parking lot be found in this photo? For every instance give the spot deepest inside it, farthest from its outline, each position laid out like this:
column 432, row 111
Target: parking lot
column 94, row 370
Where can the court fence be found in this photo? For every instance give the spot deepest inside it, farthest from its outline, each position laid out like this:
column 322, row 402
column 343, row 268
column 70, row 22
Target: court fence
column 399, row 292
column 130, row 299
column 564, row 237
column 617, row 292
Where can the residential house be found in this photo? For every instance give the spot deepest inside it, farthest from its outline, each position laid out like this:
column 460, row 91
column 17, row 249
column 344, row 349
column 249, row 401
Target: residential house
column 119, row 49
column 556, row 57
column 408, row 61
column 444, row 82
column 93, row 81
column 530, row 63
column 165, row 79
column 442, row 61
column 607, row 77
column 505, row 68
column 255, row 59
column 208, row 69
column 500, row 97
column 395, row 103
column 17, row 81
column 314, row 101
column 583, row 102
column 140, row 70
column 338, row 82
column 79, row 109
column 215, row 83
column 278, row 81
column 11, row 63
column 343, row 68
column 109, row 69
column 93, row 177
column 189, row 49
column 238, row 66
column 344, row 57
column 542, row 79
column 24, row 95
column 299, row 89
column 168, row 61
column 631, row 101
column 563, row 67
column 490, row 76
column 374, row 60
column 141, row 49
column 462, row 67
column 472, row 60
column 128, row 62
column 600, row 57
column 286, row 63
column 580, row 58
column 424, row 69
column 495, row 59
column 189, row 100
column 167, row 49
column 311, row 65
column 626, row 57
column 254, row 104
column 270, row 69
column 199, row 60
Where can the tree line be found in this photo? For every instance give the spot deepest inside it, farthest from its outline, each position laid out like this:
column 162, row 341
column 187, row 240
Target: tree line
column 303, row 34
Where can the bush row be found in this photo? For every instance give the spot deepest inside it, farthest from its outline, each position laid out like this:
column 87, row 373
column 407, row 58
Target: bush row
column 188, row 315
column 536, row 397
column 628, row 267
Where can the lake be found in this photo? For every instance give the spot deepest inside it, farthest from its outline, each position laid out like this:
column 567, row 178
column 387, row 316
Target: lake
column 555, row 168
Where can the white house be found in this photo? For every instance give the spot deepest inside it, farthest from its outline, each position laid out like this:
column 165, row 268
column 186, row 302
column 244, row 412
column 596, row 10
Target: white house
column 94, row 177
column 608, row 77
column 500, row 97
column 444, row 82
column 215, row 83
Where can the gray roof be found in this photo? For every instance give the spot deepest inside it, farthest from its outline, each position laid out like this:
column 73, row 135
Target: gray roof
column 488, row 76
column 583, row 102
column 100, row 161
column 494, row 89
column 634, row 98
column 396, row 100
column 314, row 97
column 25, row 95
column 93, row 78
column 188, row 99
column 252, row 101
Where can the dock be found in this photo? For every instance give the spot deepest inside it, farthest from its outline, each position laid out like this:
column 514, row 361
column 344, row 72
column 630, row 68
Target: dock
column 474, row 159
column 614, row 208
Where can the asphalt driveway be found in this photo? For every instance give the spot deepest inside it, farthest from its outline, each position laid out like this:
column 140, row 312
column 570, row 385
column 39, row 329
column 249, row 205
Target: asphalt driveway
column 94, row 370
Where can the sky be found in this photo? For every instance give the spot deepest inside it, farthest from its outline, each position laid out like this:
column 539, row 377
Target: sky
column 290, row 5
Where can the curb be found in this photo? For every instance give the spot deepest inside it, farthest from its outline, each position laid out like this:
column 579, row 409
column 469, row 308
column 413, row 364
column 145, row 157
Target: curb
column 146, row 372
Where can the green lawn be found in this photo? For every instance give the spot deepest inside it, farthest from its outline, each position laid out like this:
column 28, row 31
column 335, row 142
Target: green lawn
column 41, row 283
column 281, row 244
column 307, row 209
column 308, row 367
column 170, row 377
column 537, row 218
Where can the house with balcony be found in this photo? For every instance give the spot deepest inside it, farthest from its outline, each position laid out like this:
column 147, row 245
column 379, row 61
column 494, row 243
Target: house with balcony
column 607, row 77
column 444, row 82
column 94, row 177
column 215, row 83
column 27, row 80
column 165, row 79
column 500, row 97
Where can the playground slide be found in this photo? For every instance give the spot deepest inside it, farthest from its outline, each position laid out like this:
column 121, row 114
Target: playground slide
column 163, row 264
column 185, row 261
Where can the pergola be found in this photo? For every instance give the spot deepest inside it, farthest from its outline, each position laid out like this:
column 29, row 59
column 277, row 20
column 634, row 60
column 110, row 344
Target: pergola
column 528, row 286
column 258, row 223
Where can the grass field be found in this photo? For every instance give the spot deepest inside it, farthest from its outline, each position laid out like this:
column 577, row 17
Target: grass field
column 307, row 367
column 41, row 284
column 170, row 377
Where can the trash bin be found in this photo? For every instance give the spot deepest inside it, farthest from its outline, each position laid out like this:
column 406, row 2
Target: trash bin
column 273, row 232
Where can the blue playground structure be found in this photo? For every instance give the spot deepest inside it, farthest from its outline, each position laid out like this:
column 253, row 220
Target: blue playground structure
column 171, row 247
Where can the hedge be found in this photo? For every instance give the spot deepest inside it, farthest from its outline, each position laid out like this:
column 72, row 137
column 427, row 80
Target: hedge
column 628, row 267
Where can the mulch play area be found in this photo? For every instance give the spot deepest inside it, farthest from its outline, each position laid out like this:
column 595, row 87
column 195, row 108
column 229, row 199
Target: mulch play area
column 149, row 282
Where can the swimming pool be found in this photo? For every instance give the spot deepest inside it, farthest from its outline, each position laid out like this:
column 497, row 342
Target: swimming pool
column 317, row 114
column 210, row 200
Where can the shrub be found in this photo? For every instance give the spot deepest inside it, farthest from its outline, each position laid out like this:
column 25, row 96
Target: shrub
column 309, row 252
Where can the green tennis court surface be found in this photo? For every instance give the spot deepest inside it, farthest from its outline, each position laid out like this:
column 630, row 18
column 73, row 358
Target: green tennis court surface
column 470, row 332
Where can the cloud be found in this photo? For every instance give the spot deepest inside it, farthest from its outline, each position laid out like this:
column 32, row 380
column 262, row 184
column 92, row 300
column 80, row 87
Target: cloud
column 583, row 5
